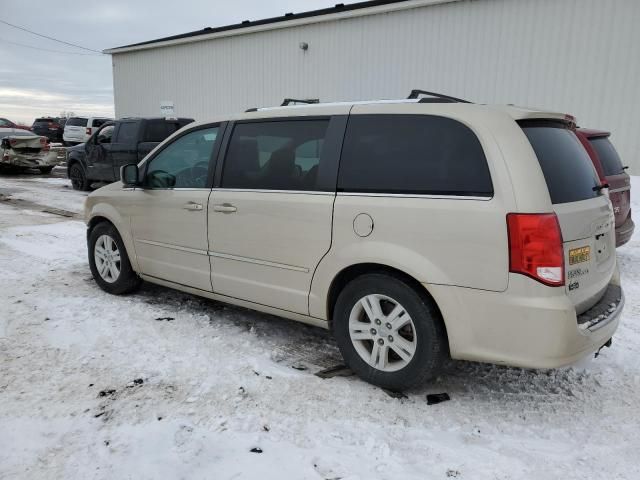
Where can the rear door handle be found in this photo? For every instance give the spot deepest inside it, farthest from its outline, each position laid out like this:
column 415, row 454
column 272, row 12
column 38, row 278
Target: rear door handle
column 224, row 208
column 193, row 206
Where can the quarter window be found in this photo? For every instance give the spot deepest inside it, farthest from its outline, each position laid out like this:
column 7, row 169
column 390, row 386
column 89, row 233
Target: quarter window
column 413, row 154
column 275, row 155
column 184, row 163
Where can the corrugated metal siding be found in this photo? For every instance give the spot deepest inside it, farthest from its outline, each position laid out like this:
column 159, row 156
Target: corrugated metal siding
column 578, row 56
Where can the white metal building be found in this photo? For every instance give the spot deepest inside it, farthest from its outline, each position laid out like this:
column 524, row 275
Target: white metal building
column 575, row 56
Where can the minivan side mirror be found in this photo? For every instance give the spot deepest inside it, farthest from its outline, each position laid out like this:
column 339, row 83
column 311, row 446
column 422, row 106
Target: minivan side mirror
column 129, row 175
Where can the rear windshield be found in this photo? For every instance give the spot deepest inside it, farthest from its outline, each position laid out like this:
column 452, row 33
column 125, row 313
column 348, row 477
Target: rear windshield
column 43, row 122
column 98, row 122
column 77, row 122
column 566, row 165
column 158, row 130
column 609, row 159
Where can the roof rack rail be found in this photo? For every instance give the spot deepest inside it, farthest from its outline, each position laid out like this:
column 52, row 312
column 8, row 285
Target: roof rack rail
column 438, row 97
column 289, row 101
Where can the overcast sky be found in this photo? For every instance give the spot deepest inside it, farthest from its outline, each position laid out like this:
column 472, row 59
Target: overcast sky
column 36, row 82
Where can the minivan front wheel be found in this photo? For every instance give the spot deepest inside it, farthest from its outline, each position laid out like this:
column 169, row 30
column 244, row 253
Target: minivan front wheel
column 109, row 262
column 389, row 334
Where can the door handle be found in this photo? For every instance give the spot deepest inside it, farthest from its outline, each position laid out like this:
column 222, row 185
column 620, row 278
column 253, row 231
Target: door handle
column 224, row 208
column 193, row 206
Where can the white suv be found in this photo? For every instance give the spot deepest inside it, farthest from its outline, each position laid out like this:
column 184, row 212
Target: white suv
column 414, row 230
column 79, row 129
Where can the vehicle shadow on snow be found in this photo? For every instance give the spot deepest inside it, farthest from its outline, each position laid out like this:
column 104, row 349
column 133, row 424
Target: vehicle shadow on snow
column 305, row 347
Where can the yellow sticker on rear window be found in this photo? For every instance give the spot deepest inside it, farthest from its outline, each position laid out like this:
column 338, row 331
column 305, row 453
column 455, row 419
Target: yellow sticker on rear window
column 579, row 255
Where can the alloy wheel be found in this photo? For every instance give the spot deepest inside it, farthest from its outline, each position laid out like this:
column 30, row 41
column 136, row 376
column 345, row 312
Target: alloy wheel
column 107, row 257
column 382, row 332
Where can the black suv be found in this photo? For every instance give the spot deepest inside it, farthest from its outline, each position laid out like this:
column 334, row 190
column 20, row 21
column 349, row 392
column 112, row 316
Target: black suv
column 50, row 127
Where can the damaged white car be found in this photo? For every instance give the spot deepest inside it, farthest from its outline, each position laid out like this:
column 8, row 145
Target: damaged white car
column 21, row 149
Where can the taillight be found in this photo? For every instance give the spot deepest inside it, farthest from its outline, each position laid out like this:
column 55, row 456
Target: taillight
column 88, row 131
column 535, row 247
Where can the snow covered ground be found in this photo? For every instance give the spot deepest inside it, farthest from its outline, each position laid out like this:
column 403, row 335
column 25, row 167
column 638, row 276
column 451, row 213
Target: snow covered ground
column 162, row 384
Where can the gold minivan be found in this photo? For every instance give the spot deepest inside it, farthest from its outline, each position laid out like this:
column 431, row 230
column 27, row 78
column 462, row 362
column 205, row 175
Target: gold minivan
column 415, row 230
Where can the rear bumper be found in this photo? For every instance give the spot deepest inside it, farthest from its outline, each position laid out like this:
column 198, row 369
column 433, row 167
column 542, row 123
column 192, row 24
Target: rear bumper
column 537, row 328
column 624, row 232
column 72, row 137
column 49, row 159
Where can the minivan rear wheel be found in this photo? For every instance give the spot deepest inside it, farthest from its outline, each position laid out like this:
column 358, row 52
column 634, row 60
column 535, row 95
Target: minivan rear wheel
column 108, row 260
column 388, row 333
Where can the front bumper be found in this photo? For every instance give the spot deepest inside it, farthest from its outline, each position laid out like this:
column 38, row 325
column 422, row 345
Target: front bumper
column 624, row 232
column 537, row 328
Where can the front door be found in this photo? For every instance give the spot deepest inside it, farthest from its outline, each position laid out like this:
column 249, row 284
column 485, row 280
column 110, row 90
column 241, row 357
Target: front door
column 98, row 155
column 124, row 148
column 270, row 218
column 169, row 214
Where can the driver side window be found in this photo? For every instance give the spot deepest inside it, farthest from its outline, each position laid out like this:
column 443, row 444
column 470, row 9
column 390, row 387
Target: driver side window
column 183, row 163
column 104, row 135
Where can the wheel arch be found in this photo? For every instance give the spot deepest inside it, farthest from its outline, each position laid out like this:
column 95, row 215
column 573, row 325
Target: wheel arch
column 103, row 213
column 351, row 272
column 72, row 160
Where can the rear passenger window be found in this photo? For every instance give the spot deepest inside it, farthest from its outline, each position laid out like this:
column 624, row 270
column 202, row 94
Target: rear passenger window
column 157, row 131
column 413, row 154
column 98, row 122
column 275, row 155
column 609, row 159
column 566, row 166
column 127, row 132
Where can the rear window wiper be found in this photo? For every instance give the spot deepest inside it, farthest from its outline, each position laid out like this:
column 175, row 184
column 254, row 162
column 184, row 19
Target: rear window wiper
column 600, row 187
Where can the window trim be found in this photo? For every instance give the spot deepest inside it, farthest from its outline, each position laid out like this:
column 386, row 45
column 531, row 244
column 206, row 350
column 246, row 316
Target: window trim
column 213, row 160
column 436, row 194
column 332, row 148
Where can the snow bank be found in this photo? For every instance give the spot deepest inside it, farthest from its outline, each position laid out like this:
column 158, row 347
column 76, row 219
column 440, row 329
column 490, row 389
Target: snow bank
column 97, row 386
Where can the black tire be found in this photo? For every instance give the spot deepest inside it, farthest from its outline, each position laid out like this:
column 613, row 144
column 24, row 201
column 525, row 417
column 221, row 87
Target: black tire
column 45, row 170
column 78, row 178
column 128, row 280
column 431, row 345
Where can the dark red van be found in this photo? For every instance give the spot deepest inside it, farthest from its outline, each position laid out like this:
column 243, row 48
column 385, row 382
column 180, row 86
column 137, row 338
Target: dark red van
column 611, row 171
